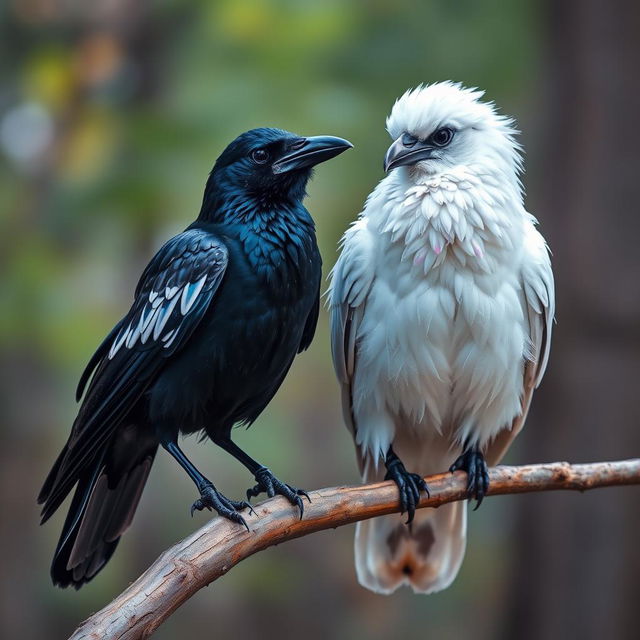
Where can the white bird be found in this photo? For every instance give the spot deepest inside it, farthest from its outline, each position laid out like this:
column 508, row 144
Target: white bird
column 442, row 304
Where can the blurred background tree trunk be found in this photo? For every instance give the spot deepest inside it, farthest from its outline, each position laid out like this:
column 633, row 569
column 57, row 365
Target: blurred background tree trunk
column 576, row 569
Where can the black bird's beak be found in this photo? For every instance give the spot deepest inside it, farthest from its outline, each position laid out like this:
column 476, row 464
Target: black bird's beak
column 308, row 152
column 400, row 154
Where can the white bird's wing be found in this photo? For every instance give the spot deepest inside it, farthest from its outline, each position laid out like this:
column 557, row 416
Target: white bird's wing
column 538, row 300
column 351, row 280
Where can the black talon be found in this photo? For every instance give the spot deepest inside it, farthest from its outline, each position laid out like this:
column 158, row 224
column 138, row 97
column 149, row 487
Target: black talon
column 210, row 499
column 473, row 463
column 269, row 484
column 409, row 484
column 239, row 505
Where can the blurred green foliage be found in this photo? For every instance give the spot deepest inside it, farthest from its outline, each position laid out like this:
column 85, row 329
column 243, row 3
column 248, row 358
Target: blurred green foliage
column 111, row 115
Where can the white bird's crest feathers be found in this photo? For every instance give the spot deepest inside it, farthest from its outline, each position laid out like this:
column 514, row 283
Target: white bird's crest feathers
column 422, row 110
column 432, row 104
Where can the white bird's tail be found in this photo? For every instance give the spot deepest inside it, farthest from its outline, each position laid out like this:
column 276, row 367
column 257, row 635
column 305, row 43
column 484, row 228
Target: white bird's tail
column 425, row 555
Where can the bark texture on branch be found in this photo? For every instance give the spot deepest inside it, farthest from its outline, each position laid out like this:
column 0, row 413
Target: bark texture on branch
column 211, row 551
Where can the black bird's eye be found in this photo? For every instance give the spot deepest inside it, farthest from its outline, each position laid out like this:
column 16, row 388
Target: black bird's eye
column 259, row 156
column 408, row 140
column 442, row 137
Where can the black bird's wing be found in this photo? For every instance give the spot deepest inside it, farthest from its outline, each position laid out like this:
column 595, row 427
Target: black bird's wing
column 171, row 298
column 310, row 325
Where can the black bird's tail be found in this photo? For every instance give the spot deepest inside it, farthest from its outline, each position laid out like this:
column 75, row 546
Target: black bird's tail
column 106, row 497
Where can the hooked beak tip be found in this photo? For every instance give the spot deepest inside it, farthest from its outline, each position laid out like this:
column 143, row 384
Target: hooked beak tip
column 399, row 154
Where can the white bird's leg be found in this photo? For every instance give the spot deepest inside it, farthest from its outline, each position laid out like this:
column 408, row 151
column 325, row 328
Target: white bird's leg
column 409, row 484
column 473, row 463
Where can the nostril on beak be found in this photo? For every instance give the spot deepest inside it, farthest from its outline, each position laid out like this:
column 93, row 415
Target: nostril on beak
column 298, row 144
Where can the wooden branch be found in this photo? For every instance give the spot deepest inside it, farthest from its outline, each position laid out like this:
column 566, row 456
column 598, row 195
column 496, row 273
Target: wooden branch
column 219, row 545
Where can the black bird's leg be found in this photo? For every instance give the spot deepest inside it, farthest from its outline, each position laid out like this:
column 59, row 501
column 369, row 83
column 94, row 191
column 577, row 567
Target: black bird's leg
column 409, row 484
column 210, row 498
column 472, row 461
column 267, row 482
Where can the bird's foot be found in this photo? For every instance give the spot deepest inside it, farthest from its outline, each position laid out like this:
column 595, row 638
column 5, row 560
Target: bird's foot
column 473, row 463
column 409, row 485
column 210, row 499
column 270, row 485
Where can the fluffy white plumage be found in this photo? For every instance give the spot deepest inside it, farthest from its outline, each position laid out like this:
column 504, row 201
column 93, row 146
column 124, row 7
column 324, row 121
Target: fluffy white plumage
column 442, row 304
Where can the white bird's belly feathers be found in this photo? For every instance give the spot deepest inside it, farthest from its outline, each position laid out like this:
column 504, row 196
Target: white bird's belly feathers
column 436, row 362
column 441, row 350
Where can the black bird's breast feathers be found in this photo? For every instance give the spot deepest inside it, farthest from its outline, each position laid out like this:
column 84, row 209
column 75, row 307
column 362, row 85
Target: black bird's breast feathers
column 265, row 311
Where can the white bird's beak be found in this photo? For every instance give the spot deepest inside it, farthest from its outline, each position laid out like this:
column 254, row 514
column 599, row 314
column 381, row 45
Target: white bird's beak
column 400, row 153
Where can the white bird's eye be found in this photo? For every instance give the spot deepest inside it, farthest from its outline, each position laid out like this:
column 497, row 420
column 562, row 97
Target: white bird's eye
column 442, row 137
column 259, row 156
column 408, row 140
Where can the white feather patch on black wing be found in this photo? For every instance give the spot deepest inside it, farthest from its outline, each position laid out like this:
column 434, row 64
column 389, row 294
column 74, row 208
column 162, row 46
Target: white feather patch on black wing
column 170, row 293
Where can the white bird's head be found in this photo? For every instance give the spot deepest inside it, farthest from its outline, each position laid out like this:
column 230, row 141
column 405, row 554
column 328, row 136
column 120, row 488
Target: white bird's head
column 439, row 126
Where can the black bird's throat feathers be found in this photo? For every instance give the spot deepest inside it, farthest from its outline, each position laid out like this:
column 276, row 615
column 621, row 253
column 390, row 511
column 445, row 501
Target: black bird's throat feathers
column 227, row 197
column 280, row 240
column 274, row 233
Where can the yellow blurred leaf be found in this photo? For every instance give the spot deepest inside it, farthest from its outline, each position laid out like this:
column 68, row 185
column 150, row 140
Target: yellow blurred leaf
column 49, row 77
column 245, row 20
column 90, row 145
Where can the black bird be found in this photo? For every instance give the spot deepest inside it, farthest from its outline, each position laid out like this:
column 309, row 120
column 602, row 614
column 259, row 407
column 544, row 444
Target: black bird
column 219, row 314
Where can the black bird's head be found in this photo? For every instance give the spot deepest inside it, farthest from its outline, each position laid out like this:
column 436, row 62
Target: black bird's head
column 267, row 166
